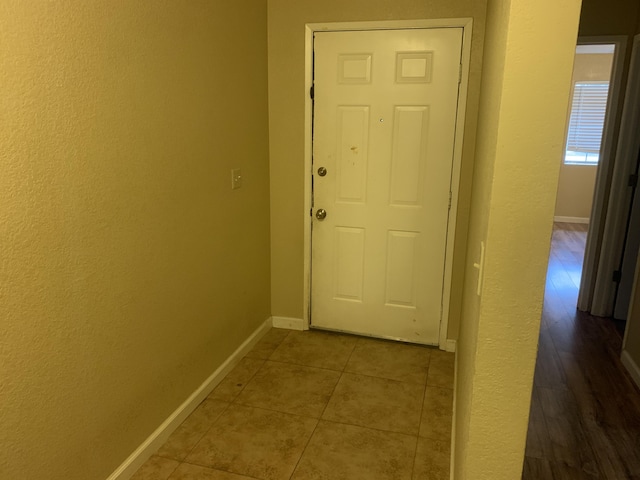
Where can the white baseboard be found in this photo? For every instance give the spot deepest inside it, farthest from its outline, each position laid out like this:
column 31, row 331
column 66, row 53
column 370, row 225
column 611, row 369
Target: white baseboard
column 449, row 346
column 632, row 367
column 288, row 323
column 157, row 438
column 452, row 458
column 571, row 219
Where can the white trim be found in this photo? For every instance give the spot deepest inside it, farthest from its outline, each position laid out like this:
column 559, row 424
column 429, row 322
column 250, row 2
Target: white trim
column 632, row 367
column 452, row 458
column 601, row 189
column 625, row 357
column 308, row 171
column 584, row 220
column 466, row 25
column 160, row 435
column 617, row 217
column 449, row 346
column 390, row 24
column 288, row 323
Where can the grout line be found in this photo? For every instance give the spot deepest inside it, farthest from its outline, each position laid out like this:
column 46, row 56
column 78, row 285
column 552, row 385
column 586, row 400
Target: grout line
column 424, row 384
column 174, row 470
column 295, row 467
column 424, row 398
column 376, row 429
column 305, row 365
column 195, row 444
column 235, row 401
column 195, row 464
column 249, row 381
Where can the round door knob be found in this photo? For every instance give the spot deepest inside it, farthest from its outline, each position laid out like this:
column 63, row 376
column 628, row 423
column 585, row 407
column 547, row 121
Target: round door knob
column 321, row 214
column 322, row 171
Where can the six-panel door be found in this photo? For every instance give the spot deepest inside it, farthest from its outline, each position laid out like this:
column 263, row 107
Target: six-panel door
column 384, row 126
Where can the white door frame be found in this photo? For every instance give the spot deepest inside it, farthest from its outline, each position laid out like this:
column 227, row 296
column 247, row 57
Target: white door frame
column 466, row 25
column 595, row 236
column 617, row 217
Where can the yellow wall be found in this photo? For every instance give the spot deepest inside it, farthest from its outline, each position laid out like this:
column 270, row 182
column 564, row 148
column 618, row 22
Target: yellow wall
column 129, row 270
column 513, row 196
column 577, row 182
column 575, row 191
column 286, row 129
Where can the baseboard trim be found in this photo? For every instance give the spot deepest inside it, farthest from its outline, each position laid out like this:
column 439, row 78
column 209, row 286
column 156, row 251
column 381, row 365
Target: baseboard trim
column 452, row 458
column 160, row 435
column 571, row 219
column 632, row 367
column 288, row 323
column 449, row 346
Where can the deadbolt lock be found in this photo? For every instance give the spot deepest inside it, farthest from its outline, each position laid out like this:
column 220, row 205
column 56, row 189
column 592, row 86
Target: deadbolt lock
column 322, row 171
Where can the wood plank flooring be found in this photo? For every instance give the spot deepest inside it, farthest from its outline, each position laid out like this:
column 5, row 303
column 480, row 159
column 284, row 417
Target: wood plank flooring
column 585, row 410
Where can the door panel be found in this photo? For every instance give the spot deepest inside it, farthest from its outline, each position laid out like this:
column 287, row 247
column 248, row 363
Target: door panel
column 353, row 139
column 409, row 145
column 384, row 125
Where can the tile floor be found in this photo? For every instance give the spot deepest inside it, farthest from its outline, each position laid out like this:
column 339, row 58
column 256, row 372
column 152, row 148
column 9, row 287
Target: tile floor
column 317, row 405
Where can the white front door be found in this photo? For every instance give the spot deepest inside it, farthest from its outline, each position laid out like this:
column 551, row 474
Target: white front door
column 384, row 126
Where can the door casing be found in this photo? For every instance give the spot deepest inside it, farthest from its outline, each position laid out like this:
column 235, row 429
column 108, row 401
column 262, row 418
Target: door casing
column 466, row 25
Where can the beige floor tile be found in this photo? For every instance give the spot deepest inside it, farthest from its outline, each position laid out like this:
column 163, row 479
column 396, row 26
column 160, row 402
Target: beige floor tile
column 254, row 442
column 376, row 403
column 392, row 360
column 441, row 368
column 193, row 472
column 235, row 381
column 432, row 460
column 185, row 437
column 268, row 344
column 316, row 349
column 290, row 388
column 437, row 413
column 346, row 452
column 156, row 468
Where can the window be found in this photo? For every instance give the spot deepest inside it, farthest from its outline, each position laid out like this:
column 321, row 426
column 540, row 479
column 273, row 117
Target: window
column 586, row 122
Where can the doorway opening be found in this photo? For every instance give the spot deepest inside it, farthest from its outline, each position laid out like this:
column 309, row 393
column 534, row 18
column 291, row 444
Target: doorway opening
column 590, row 92
column 609, row 222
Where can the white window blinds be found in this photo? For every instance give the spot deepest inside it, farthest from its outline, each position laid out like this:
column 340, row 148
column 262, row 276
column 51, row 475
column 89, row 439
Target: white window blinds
column 587, row 116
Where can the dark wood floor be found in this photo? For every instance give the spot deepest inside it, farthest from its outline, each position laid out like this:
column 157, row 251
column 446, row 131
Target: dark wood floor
column 585, row 410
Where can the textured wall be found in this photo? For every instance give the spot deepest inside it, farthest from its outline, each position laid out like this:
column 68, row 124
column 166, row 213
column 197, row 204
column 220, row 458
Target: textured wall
column 286, row 129
column 513, row 197
column 129, row 269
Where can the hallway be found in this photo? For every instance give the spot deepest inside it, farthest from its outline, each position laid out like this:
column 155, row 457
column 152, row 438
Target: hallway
column 315, row 405
column 585, row 411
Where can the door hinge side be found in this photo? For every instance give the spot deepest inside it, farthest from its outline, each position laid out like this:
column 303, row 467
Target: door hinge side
column 312, row 92
column 633, row 180
column 617, row 276
column 460, row 73
column 450, row 197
